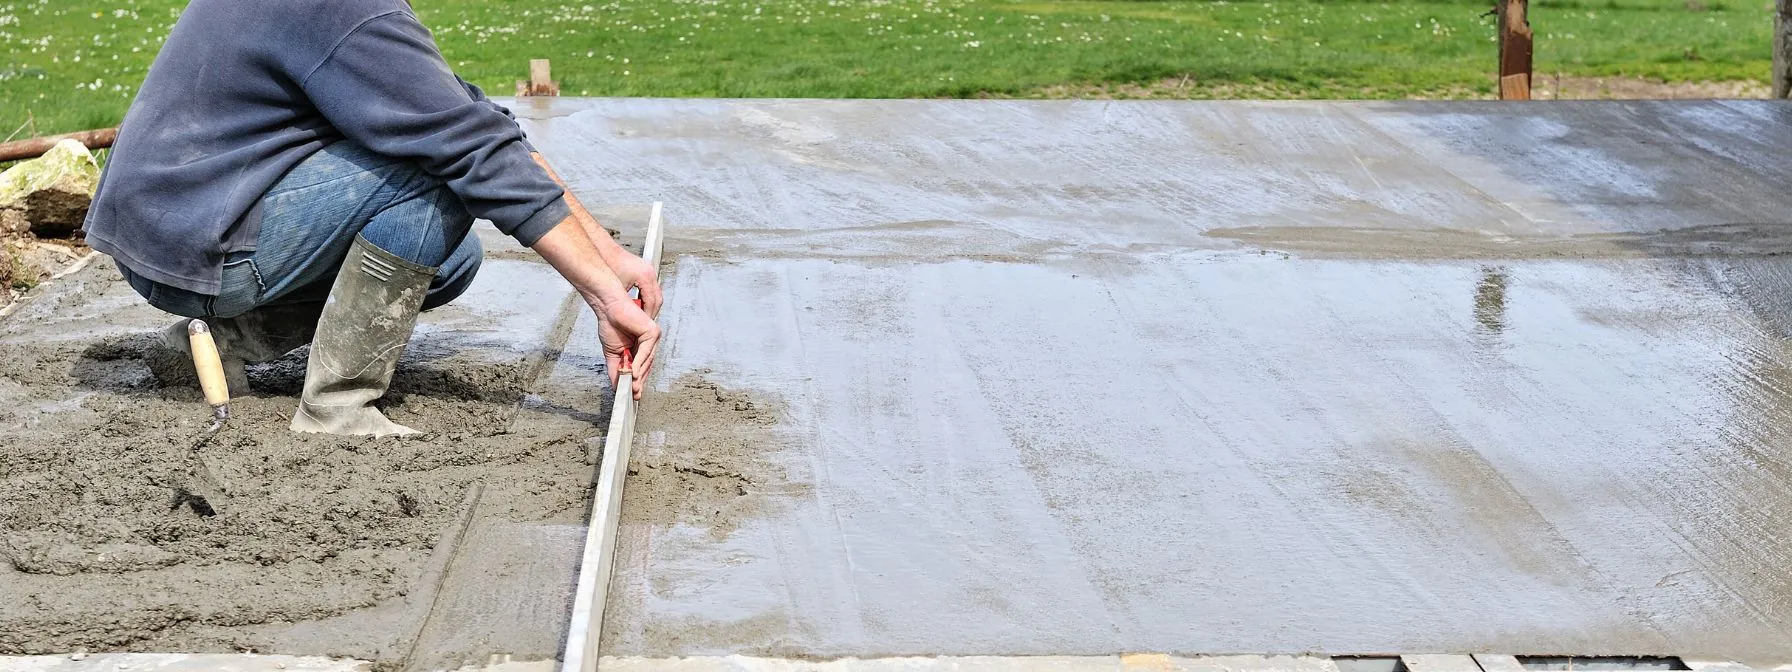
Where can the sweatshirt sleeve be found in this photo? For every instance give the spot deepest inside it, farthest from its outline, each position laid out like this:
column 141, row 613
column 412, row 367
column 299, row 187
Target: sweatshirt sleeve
column 386, row 87
column 478, row 96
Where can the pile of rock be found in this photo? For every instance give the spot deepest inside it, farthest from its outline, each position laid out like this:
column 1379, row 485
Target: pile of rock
column 43, row 203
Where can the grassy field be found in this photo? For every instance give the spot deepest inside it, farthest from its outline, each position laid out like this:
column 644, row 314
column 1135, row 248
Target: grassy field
column 73, row 64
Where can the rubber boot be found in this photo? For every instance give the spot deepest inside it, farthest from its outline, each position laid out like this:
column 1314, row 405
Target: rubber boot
column 260, row 335
column 365, row 327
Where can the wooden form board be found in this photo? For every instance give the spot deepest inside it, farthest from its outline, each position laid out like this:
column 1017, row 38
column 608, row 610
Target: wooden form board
column 586, row 629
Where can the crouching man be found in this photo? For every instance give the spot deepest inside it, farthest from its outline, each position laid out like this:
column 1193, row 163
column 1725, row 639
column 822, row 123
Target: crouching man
column 307, row 171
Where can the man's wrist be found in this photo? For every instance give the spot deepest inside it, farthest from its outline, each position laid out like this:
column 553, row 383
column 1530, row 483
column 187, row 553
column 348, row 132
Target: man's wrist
column 608, row 290
column 606, row 244
column 570, row 251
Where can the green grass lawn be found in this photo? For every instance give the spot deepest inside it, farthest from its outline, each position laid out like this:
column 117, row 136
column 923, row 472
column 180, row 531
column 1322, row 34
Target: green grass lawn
column 73, row 64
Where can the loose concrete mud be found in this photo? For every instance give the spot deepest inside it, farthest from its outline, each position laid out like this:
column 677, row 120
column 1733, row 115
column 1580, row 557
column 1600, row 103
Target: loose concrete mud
column 707, row 460
column 125, row 525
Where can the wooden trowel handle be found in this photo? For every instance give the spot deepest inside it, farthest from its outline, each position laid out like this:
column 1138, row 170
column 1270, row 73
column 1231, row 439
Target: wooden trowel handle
column 206, row 362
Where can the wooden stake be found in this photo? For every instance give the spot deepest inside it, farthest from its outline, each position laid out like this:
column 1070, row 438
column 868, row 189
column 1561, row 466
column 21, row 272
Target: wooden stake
column 541, row 81
column 1515, row 49
column 35, row 147
column 1782, row 49
column 587, row 627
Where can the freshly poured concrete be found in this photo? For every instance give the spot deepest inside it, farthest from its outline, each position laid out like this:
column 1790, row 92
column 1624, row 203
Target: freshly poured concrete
column 1088, row 378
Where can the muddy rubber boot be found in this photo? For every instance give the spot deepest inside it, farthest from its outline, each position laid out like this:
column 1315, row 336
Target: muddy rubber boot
column 365, row 327
column 260, row 335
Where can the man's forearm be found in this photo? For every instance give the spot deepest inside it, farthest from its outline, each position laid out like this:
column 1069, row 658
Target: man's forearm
column 570, row 251
column 606, row 245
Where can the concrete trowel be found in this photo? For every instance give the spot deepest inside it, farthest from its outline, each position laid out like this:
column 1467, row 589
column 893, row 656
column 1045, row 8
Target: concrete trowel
column 202, row 492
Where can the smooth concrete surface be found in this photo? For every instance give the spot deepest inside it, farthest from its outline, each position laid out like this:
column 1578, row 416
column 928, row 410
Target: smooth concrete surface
column 1440, row 663
column 1078, row 378
column 1498, row 663
column 1113, row 663
column 1135, row 662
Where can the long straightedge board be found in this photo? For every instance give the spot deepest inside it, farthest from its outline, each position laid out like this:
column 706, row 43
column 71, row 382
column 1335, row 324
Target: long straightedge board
column 586, row 628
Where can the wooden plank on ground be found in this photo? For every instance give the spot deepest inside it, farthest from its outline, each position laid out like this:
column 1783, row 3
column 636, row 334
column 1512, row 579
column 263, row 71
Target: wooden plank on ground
column 1253, row 664
column 1498, row 663
column 1715, row 666
column 586, row 629
column 1440, row 663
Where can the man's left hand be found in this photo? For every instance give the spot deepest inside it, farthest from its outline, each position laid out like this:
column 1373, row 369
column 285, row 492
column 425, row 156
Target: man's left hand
column 635, row 272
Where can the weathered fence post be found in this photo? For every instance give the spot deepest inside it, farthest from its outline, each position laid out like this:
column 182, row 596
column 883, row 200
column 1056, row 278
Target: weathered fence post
column 1515, row 48
column 1782, row 50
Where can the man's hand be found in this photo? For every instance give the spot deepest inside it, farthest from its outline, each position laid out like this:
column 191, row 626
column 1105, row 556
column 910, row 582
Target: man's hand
column 635, row 272
column 630, row 269
column 623, row 325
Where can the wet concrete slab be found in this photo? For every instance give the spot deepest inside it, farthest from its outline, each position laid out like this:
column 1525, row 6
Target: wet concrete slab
column 177, row 662
column 496, row 580
column 1079, row 378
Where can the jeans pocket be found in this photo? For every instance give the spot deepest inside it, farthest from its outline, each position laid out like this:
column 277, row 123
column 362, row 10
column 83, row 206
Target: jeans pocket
column 240, row 290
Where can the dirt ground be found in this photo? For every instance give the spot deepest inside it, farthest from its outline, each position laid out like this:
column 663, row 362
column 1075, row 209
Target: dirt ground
column 1544, row 87
column 1549, row 87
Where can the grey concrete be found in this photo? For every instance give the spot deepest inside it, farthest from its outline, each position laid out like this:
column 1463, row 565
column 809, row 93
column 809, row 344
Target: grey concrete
column 1431, row 662
column 161, row 662
column 1091, row 377
column 1112, row 663
column 178, row 662
column 1498, row 663
column 509, row 585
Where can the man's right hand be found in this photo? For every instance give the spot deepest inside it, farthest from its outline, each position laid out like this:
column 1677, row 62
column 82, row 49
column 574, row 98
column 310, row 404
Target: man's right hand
column 630, row 269
column 622, row 325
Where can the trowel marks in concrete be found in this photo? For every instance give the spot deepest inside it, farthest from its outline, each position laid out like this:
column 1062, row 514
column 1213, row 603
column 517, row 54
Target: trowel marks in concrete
column 124, row 526
column 1088, row 377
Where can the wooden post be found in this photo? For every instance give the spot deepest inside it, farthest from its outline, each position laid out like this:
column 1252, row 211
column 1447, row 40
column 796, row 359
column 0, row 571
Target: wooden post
column 1782, row 49
column 1515, row 49
column 541, row 81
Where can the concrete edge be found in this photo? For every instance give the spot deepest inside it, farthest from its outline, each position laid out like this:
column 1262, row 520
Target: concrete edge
column 179, row 662
column 1139, row 662
column 1136, row 662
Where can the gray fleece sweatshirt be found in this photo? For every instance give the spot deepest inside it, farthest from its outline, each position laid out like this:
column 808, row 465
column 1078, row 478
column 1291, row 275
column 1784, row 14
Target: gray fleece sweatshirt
column 244, row 90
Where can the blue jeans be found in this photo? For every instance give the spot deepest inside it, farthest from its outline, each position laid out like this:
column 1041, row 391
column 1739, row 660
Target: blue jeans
column 308, row 221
